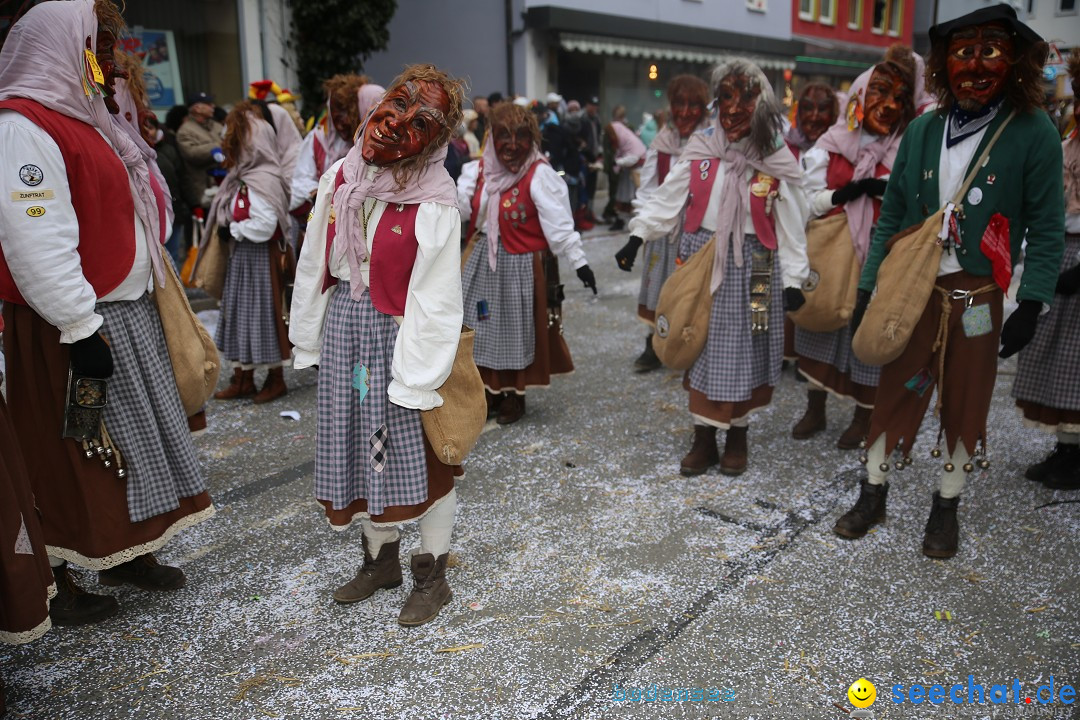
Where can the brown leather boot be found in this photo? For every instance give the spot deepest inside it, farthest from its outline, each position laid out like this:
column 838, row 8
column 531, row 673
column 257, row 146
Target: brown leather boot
column 273, row 388
column 813, row 420
column 74, row 606
column 241, row 385
column 735, row 453
column 942, row 537
column 869, row 510
column 647, row 361
column 494, row 401
column 703, row 454
column 383, row 572
column 144, row 572
column 857, row 430
column 430, row 590
column 512, row 409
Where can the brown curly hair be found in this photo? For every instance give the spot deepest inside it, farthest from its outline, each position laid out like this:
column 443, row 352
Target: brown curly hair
column 110, row 17
column 136, row 82
column 696, row 88
column 455, row 92
column 1074, row 72
column 1023, row 85
column 511, row 117
column 237, row 128
column 341, row 91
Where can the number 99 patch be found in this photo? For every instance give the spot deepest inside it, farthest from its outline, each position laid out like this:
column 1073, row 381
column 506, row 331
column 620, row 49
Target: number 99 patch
column 35, row 211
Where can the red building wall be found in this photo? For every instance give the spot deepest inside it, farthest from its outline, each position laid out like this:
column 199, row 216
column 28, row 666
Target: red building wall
column 865, row 35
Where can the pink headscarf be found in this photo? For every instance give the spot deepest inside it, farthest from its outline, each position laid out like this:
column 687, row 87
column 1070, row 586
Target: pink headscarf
column 43, row 60
column 287, row 140
column 497, row 180
column 431, row 184
column 668, row 141
column 731, row 222
column 842, row 141
column 259, row 167
column 128, row 108
column 367, row 98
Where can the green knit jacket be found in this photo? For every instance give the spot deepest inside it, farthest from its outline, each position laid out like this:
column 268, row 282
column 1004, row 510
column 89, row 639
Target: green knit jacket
column 1023, row 180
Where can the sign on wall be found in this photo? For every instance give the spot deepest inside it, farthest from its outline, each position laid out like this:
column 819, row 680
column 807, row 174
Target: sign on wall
column 161, row 67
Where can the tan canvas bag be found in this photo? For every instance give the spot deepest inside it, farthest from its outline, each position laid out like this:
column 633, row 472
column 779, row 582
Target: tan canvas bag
column 211, row 264
column 682, row 311
column 834, row 276
column 906, row 278
column 454, row 428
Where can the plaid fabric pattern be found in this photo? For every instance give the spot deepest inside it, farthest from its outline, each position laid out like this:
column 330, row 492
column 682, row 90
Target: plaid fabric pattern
column 735, row 361
column 144, row 416
column 834, row 348
column 625, row 189
column 378, row 449
column 659, row 264
column 247, row 328
column 1048, row 372
column 346, row 426
column 506, row 340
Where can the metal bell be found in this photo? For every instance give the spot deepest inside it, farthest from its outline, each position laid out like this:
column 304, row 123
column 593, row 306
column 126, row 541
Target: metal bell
column 984, row 464
column 899, row 464
column 968, row 467
column 89, row 453
column 107, row 463
column 908, row 460
column 884, row 467
column 121, row 473
column 99, row 449
column 935, row 453
column 949, row 467
column 862, row 444
column 863, row 459
column 109, row 453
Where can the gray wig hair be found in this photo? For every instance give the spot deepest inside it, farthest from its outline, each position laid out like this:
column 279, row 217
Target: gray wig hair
column 766, row 124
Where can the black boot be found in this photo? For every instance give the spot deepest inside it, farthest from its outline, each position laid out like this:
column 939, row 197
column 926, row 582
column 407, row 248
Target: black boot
column 144, row 572
column 647, row 360
column 942, row 530
column 1065, row 473
column 869, row 510
column 1040, row 470
column 74, row 606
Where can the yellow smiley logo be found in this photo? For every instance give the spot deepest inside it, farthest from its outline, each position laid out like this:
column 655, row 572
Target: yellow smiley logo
column 35, row 211
column 862, row 693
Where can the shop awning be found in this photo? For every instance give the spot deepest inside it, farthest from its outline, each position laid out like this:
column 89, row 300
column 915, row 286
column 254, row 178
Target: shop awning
column 619, row 47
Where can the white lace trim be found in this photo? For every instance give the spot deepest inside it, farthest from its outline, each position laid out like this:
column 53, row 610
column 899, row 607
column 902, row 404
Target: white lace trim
column 1061, row 427
column 367, row 515
column 21, row 638
column 124, row 556
column 743, row 421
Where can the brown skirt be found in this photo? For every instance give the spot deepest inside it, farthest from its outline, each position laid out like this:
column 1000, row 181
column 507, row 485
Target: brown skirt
column 722, row 414
column 552, row 354
column 1049, row 417
column 440, row 483
column 84, row 507
column 26, row 581
column 839, row 383
column 907, row 383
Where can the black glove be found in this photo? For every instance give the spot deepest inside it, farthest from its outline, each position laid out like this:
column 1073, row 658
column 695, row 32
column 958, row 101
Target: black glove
column 862, row 300
column 793, row 299
column 1069, row 281
column 585, row 274
column 92, row 357
column 847, row 193
column 874, row 187
column 1019, row 328
column 626, row 256
column 223, row 234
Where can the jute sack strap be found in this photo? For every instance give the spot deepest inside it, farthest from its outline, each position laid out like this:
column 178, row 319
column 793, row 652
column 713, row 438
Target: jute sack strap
column 834, row 276
column 907, row 275
column 682, row 311
column 454, row 428
column 192, row 351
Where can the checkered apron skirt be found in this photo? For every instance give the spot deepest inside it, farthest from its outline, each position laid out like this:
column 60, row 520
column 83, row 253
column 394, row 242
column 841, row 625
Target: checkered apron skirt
column 346, row 442
column 1048, row 371
column 735, row 361
column 659, row 264
column 143, row 415
column 506, row 339
column 625, row 189
column 834, row 348
column 247, row 327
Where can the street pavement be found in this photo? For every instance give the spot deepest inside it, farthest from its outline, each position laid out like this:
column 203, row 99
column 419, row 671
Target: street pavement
column 585, row 569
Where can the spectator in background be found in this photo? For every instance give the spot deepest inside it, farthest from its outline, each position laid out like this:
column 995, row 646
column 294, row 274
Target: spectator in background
column 472, row 133
column 628, row 154
column 575, row 127
column 172, row 167
column 481, row 105
column 556, row 105
column 591, row 134
column 199, row 140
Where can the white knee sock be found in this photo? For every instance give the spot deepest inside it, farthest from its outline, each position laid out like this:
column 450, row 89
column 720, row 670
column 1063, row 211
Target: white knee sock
column 875, row 456
column 952, row 482
column 55, row 561
column 1068, row 438
column 437, row 525
column 377, row 536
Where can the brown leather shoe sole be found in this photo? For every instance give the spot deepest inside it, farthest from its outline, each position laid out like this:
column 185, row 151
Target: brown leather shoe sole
column 851, row 534
column 805, row 433
column 348, row 600
column 164, row 582
column 414, row 623
column 943, row 554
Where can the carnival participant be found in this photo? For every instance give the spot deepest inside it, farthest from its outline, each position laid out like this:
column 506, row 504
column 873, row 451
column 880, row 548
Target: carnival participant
column 688, row 97
column 1047, row 386
column 737, row 180
column 74, row 278
column 251, row 209
column 846, row 172
column 513, row 297
column 627, row 155
column 385, row 230
column 985, row 68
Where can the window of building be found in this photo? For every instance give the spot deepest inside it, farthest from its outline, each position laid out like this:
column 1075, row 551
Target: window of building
column 854, row 14
column 881, row 15
column 1067, row 7
column 827, row 12
column 896, row 16
column 808, row 9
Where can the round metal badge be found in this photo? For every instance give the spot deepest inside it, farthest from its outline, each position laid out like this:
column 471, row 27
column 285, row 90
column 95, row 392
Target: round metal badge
column 662, row 326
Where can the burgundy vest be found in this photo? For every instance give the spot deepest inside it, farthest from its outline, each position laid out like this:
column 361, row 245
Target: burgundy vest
column 663, row 165
column 393, row 253
column 519, row 222
column 100, row 195
column 840, row 172
column 320, row 156
column 702, row 178
column 474, row 202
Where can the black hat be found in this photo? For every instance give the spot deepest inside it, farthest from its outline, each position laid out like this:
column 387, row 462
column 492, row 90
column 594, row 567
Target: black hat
column 593, row 101
column 200, row 98
column 995, row 13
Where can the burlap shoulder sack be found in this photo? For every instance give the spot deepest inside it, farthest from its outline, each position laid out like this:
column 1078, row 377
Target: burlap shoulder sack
column 211, row 263
column 454, row 428
column 682, row 311
column 194, row 356
column 834, row 276
column 905, row 281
